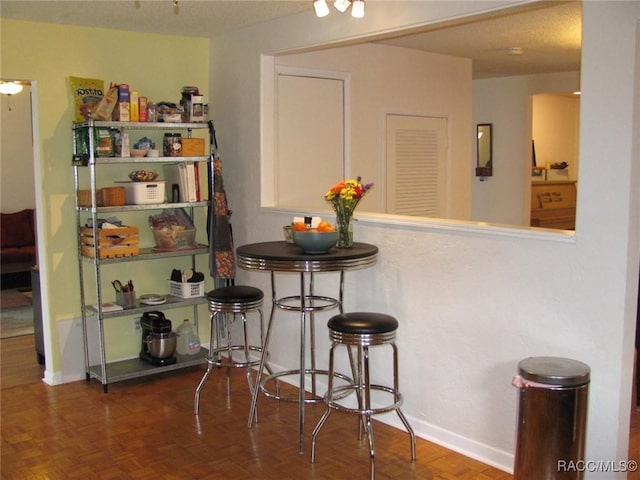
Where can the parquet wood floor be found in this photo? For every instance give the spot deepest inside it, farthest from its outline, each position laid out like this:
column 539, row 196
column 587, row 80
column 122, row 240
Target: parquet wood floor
column 144, row 429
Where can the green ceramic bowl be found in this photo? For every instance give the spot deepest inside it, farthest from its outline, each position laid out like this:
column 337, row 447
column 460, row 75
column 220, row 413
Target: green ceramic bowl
column 315, row 242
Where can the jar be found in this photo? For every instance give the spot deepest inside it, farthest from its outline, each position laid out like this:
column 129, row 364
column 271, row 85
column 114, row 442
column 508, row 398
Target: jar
column 186, row 102
column 172, row 145
column 152, row 112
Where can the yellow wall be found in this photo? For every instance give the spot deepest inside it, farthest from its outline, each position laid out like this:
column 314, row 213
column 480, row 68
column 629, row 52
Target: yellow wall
column 158, row 66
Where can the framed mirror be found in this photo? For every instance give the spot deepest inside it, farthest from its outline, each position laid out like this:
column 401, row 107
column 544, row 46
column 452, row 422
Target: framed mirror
column 484, row 147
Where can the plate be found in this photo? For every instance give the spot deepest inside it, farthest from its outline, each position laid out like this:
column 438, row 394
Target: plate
column 153, row 299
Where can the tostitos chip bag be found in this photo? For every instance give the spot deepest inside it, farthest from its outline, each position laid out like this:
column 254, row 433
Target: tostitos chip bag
column 87, row 93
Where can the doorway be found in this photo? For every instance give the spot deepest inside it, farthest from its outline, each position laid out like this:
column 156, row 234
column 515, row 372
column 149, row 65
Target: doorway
column 17, row 190
column 19, row 162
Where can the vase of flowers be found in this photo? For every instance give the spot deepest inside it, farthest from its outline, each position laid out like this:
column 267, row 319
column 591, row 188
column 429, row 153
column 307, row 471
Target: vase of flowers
column 344, row 197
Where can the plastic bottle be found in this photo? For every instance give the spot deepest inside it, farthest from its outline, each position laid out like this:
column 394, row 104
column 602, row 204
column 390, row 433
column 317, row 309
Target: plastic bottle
column 188, row 340
column 124, row 144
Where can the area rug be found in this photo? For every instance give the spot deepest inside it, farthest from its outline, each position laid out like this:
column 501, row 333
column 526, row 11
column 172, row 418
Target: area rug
column 16, row 313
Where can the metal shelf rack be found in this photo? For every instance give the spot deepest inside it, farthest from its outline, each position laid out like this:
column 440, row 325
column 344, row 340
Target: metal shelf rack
column 84, row 157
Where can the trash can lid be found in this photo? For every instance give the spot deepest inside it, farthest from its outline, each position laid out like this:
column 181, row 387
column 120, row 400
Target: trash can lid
column 555, row 371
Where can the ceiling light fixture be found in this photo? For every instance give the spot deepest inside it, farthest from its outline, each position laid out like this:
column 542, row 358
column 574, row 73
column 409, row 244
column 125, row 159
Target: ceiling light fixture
column 10, row 88
column 342, row 5
column 321, row 8
column 357, row 7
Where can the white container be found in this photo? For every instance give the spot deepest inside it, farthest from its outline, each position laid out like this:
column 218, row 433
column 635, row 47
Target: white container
column 188, row 342
column 186, row 289
column 143, row 193
column 123, row 146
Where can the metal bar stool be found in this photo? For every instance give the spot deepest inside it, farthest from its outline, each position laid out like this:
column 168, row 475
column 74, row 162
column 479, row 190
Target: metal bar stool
column 223, row 301
column 362, row 330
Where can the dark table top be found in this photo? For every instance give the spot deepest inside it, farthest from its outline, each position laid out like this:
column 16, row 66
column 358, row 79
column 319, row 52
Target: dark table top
column 283, row 256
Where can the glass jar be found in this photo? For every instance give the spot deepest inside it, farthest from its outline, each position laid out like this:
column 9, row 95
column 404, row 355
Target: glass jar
column 152, row 112
column 172, row 145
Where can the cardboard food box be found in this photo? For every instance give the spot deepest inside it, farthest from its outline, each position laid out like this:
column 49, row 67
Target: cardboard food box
column 142, row 109
column 121, row 112
column 134, row 112
column 196, row 115
column 193, row 147
column 112, row 242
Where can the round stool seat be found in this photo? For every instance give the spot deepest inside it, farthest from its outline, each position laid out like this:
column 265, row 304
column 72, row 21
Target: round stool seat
column 362, row 328
column 363, row 323
column 235, row 294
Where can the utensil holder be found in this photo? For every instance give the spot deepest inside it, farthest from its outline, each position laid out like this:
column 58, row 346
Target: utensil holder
column 126, row 299
column 186, row 289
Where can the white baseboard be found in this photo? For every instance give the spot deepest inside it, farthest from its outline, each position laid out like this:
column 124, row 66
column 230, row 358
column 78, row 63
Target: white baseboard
column 481, row 452
column 465, row 446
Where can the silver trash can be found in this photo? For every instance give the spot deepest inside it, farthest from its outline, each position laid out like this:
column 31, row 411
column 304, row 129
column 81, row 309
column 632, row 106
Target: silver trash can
column 552, row 415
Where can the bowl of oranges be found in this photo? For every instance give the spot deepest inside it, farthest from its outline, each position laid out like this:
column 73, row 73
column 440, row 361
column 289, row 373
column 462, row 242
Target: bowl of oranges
column 315, row 240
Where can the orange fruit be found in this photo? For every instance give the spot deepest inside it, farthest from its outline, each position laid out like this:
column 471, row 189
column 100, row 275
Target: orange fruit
column 299, row 227
column 325, row 227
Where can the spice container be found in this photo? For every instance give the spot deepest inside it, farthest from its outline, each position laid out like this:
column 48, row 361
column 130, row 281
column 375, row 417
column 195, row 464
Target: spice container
column 172, row 145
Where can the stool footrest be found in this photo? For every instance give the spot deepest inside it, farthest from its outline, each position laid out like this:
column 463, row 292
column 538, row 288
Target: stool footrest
column 276, row 376
column 292, row 303
column 230, row 363
column 344, row 391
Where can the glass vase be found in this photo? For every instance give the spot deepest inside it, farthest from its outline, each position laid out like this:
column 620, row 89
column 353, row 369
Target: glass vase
column 344, row 225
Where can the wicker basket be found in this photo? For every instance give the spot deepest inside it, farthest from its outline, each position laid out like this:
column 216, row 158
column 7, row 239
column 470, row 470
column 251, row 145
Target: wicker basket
column 186, row 289
column 111, row 197
column 84, row 198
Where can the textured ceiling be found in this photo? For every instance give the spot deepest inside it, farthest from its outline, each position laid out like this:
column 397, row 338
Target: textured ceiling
column 199, row 18
column 550, row 39
column 549, row 34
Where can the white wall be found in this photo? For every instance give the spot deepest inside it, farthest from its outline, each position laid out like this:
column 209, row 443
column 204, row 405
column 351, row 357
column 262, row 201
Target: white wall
column 17, row 190
column 393, row 80
column 506, row 102
column 556, row 133
column 473, row 300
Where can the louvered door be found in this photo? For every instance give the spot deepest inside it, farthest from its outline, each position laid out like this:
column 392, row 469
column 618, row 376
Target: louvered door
column 416, row 165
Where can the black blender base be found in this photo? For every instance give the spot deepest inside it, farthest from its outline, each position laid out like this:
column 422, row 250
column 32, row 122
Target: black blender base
column 158, row 362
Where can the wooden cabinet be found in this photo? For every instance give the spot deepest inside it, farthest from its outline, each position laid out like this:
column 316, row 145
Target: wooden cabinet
column 553, row 205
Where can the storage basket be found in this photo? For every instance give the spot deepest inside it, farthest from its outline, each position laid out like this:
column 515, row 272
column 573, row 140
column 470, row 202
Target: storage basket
column 143, row 193
column 84, row 198
column 192, row 147
column 174, row 238
column 111, row 197
column 106, row 197
column 112, row 242
column 186, row 289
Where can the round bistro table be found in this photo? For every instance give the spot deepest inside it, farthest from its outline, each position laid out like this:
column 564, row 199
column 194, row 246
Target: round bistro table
column 281, row 256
